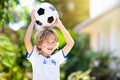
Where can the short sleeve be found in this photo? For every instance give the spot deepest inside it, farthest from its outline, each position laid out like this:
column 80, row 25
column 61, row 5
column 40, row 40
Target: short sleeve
column 31, row 56
column 59, row 56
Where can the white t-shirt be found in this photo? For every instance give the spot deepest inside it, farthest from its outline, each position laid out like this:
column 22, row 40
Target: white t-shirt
column 46, row 68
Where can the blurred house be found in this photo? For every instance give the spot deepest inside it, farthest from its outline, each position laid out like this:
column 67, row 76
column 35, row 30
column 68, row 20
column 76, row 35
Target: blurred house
column 103, row 25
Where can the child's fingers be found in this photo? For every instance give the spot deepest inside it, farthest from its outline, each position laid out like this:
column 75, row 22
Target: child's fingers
column 32, row 15
column 57, row 15
column 33, row 11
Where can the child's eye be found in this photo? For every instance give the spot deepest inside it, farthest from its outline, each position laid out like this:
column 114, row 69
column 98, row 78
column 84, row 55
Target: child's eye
column 54, row 42
column 48, row 43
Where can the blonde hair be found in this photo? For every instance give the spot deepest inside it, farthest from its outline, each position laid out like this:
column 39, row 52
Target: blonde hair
column 43, row 35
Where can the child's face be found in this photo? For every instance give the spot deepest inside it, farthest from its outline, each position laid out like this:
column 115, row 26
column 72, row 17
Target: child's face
column 48, row 46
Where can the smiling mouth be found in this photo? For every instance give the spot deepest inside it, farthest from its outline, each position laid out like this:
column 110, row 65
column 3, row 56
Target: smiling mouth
column 50, row 48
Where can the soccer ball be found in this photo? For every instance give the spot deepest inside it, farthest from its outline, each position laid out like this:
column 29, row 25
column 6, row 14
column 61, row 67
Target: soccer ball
column 45, row 14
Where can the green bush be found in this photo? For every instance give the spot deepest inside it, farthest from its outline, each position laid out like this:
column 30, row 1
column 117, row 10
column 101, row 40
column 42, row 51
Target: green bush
column 13, row 65
column 80, row 75
column 83, row 58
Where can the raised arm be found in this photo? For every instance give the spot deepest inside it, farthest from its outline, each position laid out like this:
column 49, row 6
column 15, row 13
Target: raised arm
column 27, row 38
column 68, row 38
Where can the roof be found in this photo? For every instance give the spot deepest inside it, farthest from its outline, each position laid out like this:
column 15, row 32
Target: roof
column 91, row 20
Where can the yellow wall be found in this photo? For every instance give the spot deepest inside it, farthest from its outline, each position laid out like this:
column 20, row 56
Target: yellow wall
column 105, row 32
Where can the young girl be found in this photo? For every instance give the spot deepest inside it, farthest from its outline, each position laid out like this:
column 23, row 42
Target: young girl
column 45, row 65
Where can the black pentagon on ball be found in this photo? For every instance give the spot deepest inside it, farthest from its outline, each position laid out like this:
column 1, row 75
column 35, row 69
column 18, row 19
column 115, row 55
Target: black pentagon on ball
column 41, row 11
column 50, row 19
column 52, row 8
column 39, row 23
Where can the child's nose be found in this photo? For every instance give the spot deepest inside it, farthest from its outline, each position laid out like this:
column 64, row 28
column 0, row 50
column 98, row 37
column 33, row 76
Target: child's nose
column 51, row 44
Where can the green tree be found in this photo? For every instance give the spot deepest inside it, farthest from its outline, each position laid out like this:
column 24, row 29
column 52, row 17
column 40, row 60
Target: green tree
column 5, row 10
column 13, row 65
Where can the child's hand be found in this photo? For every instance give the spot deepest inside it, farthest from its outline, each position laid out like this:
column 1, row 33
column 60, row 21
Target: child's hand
column 57, row 22
column 33, row 16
